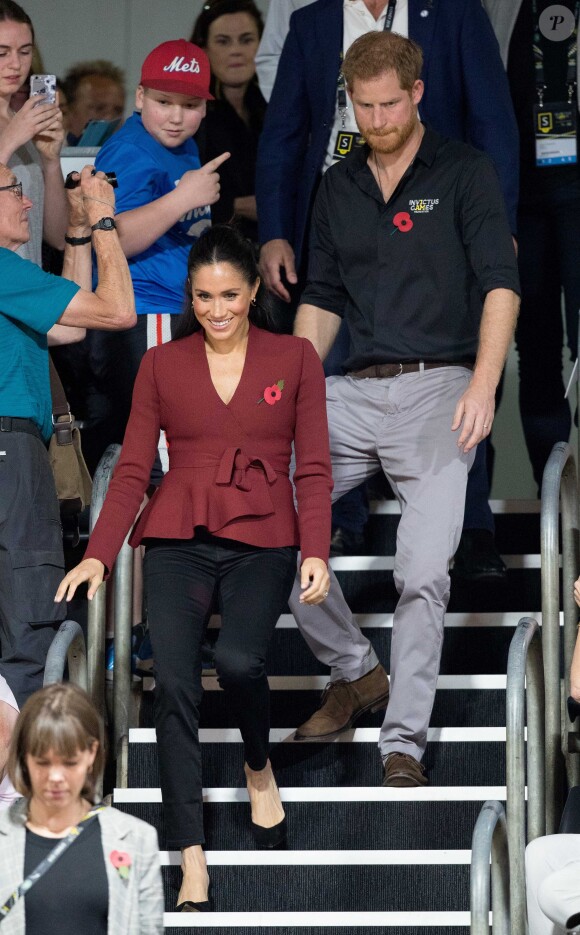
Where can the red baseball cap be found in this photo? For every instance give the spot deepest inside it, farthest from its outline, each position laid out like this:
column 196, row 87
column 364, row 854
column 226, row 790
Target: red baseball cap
column 177, row 66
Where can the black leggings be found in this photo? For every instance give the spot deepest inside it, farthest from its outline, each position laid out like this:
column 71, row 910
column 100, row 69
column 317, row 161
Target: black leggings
column 252, row 587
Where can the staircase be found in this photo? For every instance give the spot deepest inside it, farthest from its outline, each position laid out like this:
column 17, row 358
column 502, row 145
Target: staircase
column 360, row 858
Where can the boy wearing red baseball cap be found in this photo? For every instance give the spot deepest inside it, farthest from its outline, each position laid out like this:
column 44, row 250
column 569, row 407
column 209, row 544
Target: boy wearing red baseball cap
column 163, row 205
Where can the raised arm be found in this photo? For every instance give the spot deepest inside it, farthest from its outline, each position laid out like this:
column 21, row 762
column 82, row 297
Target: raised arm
column 49, row 143
column 139, row 228
column 112, row 304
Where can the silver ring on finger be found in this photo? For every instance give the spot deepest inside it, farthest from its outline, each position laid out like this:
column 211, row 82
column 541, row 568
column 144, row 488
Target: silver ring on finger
column 325, row 593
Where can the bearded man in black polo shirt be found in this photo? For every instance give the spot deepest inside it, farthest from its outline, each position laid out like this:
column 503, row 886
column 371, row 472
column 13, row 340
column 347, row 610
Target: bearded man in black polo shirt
column 410, row 244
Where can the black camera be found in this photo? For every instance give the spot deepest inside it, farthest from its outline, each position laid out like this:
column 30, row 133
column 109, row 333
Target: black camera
column 73, row 183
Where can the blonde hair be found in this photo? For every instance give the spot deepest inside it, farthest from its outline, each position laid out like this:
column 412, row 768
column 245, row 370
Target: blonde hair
column 60, row 718
column 375, row 53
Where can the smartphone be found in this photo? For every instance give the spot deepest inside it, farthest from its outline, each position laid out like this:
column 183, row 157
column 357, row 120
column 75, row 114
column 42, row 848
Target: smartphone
column 44, row 88
column 97, row 132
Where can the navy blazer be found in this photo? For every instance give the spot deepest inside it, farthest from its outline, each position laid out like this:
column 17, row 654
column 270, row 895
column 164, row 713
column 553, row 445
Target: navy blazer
column 466, row 97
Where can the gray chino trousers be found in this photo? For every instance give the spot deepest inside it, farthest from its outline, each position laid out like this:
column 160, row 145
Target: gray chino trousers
column 401, row 425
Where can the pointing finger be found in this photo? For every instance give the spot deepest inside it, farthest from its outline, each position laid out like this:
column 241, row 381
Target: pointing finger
column 214, row 164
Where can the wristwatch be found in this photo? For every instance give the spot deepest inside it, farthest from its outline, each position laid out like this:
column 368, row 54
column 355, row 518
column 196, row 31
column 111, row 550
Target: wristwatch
column 105, row 224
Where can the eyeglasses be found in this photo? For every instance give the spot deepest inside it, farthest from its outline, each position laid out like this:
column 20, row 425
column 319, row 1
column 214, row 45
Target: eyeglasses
column 16, row 188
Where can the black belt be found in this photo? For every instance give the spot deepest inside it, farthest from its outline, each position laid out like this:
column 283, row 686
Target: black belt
column 415, row 366
column 15, row 424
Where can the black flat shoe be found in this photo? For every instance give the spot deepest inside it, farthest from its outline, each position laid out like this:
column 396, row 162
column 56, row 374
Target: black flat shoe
column 267, row 838
column 190, row 906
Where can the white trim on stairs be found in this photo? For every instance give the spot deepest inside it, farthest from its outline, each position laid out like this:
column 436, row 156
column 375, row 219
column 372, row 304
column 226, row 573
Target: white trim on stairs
column 331, row 794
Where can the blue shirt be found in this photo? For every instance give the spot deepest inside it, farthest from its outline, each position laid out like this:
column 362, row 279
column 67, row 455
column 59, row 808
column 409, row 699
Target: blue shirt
column 146, row 171
column 31, row 302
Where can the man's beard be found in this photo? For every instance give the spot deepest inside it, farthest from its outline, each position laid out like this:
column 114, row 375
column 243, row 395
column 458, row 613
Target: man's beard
column 391, row 140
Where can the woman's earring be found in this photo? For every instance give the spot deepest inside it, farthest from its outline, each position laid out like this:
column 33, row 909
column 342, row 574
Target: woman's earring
column 253, row 301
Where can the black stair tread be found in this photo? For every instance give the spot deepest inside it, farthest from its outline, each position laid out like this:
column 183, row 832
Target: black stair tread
column 273, row 929
column 374, row 592
column 331, row 930
column 331, row 765
column 453, row 708
column 466, row 651
column 435, row 888
column 515, row 534
column 388, row 825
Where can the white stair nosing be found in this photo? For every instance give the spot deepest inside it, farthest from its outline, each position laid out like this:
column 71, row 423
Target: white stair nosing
column 319, row 682
column 275, row 858
column 498, row 507
column 385, row 621
column 332, row 794
column 387, row 562
column 270, row 920
column 356, row 735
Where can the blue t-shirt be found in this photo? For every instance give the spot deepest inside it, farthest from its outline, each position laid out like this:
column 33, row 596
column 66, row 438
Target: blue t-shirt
column 31, row 302
column 146, row 171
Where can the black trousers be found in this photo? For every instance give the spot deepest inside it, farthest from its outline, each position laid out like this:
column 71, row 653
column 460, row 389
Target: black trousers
column 252, row 587
column 31, row 561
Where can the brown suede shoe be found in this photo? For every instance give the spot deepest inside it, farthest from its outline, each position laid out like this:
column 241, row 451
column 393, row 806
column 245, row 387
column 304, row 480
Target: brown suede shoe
column 343, row 702
column 403, row 770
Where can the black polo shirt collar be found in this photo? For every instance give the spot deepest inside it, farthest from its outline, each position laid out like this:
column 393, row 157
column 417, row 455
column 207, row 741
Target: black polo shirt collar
column 358, row 168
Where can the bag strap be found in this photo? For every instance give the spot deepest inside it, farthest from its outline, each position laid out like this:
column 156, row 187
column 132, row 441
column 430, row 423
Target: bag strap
column 60, row 408
column 49, row 861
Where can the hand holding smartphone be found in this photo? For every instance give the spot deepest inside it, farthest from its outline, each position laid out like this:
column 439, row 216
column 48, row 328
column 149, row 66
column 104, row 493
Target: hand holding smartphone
column 44, row 88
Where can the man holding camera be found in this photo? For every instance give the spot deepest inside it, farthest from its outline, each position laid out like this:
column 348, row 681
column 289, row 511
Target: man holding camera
column 32, row 303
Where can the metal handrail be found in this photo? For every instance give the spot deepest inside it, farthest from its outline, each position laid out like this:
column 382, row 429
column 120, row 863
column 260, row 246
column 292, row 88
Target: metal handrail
column 559, row 489
column 123, row 596
column 123, row 584
column 490, row 838
column 69, row 646
column 97, row 610
column 524, row 669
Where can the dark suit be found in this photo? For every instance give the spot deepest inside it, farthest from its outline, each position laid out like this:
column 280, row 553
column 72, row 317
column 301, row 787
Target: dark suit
column 466, row 97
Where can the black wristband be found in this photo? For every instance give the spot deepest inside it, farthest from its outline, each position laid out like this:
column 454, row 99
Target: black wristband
column 77, row 241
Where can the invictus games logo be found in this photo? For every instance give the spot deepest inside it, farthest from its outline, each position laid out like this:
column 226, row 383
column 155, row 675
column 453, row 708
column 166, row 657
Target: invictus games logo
column 422, row 205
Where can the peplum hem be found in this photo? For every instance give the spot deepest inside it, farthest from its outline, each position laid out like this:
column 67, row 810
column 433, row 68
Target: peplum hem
column 213, row 493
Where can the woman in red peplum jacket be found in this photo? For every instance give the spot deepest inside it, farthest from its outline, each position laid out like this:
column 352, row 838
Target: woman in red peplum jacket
column 232, row 398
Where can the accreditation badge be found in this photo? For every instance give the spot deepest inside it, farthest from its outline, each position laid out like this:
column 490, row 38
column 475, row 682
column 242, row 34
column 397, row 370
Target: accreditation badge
column 555, row 132
column 346, row 142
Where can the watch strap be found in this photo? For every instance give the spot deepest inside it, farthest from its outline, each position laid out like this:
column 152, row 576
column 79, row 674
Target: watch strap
column 77, row 241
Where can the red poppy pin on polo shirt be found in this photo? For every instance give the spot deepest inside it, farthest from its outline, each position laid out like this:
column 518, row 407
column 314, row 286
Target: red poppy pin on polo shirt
column 402, row 222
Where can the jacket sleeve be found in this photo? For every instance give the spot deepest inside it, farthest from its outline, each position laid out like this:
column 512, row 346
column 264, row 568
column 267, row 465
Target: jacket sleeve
column 131, row 476
column 283, row 144
column 491, row 121
column 313, row 474
column 151, row 902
